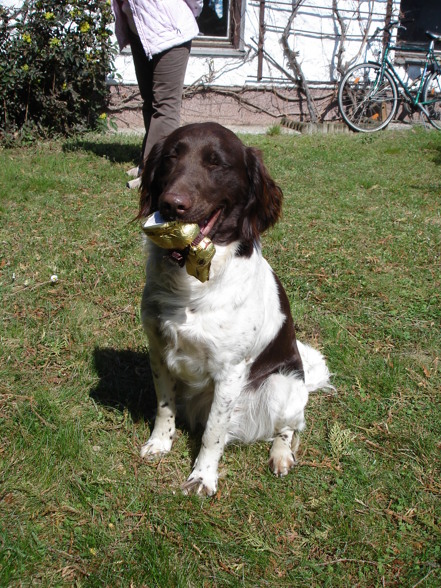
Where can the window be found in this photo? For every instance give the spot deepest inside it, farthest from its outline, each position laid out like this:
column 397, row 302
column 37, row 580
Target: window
column 220, row 24
column 420, row 16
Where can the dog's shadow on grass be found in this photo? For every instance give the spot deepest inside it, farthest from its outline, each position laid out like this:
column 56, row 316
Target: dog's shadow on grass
column 125, row 382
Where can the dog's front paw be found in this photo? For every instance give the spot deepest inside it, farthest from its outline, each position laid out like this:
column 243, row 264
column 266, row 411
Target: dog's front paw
column 200, row 486
column 155, row 447
column 281, row 464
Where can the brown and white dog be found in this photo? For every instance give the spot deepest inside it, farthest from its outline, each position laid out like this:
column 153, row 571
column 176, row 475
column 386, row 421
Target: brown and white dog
column 226, row 348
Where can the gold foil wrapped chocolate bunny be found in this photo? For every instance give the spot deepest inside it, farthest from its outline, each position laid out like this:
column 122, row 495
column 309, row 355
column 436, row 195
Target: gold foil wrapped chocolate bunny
column 192, row 247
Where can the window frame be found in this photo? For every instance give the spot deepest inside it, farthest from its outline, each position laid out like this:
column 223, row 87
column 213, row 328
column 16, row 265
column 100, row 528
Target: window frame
column 225, row 46
column 414, row 35
column 414, row 40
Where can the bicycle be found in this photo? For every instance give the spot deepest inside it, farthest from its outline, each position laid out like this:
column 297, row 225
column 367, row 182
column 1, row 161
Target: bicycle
column 369, row 93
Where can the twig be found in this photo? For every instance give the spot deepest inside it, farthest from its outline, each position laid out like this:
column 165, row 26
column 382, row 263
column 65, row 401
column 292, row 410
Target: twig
column 30, row 288
column 347, row 331
column 425, row 577
column 4, row 397
column 348, row 560
column 45, row 423
column 324, row 464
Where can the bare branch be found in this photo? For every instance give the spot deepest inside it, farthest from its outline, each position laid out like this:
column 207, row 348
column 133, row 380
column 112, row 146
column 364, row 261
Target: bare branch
column 342, row 40
column 293, row 63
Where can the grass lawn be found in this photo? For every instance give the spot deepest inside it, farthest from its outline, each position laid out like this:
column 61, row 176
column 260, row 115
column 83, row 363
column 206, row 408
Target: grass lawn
column 358, row 250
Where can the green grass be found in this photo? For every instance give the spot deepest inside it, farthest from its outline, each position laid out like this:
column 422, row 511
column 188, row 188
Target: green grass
column 358, row 250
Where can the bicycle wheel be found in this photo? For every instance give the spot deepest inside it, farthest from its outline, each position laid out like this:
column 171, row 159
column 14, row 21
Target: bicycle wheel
column 367, row 98
column 432, row 98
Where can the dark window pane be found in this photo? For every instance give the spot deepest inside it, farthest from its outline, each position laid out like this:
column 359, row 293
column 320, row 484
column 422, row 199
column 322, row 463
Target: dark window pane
column 420, row 16
column 213, row 20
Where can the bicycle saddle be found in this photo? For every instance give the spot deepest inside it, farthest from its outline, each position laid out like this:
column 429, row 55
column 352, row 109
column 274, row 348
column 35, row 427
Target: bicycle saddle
column 435, row 36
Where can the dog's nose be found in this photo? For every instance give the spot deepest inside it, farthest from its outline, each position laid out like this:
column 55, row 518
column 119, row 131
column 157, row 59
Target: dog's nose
column 173, row 205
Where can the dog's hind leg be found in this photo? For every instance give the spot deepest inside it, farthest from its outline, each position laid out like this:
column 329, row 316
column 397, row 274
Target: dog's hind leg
column 161, row 439
column 282, row 454
column 288, row 397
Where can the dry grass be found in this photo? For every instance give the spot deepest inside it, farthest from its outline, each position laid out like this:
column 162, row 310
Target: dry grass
column 358, row 251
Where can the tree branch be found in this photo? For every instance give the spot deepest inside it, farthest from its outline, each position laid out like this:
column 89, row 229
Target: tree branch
column 293, row 63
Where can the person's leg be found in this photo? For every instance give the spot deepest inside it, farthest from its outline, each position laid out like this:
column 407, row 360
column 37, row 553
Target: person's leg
column 144, row 76
column 168, row 81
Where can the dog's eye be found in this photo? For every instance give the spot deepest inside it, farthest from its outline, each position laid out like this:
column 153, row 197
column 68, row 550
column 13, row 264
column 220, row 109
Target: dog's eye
column 213, row 160
column 169, row 160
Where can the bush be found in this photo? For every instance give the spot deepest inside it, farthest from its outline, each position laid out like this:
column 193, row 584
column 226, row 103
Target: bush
column 54, row 57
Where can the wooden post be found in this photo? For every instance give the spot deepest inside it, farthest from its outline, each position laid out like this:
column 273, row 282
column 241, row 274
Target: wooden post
column 261, row 39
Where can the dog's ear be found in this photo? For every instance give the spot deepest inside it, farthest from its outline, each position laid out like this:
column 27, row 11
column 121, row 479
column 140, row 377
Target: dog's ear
column 148, row 195
column 264, row 204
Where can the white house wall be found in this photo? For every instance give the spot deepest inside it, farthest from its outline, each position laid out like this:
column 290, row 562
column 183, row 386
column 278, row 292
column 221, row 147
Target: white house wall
column 316, row 40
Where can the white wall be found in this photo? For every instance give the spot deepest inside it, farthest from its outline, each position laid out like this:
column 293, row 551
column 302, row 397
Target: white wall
column 316, row 40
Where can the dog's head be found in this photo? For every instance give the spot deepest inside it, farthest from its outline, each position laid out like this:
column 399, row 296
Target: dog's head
column 202, row 173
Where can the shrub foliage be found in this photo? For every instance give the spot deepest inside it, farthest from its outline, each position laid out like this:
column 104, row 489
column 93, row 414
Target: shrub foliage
column 54, row 57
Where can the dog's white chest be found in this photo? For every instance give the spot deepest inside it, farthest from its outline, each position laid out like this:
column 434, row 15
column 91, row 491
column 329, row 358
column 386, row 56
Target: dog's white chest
column 208, row 329
column 203, row 343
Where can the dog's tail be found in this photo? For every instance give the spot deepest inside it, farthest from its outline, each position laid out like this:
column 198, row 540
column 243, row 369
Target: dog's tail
column 317, row 375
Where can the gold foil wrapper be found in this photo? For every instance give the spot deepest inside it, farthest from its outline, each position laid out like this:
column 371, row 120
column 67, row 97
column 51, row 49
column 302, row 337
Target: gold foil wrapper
column 199, row 259
column 175, row 235
column 170, row 235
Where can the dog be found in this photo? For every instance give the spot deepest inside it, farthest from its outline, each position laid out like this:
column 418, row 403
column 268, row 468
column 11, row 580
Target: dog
column 226, row 347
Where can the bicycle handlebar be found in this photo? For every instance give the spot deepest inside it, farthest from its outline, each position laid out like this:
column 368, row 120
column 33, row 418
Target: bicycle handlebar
column 396, row 23
column 389, row 27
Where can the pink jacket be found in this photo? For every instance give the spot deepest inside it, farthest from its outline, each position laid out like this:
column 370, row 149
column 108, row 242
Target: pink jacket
column 161, row 24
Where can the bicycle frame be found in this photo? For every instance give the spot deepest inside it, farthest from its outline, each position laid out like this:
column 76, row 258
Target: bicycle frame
column 429, row 62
